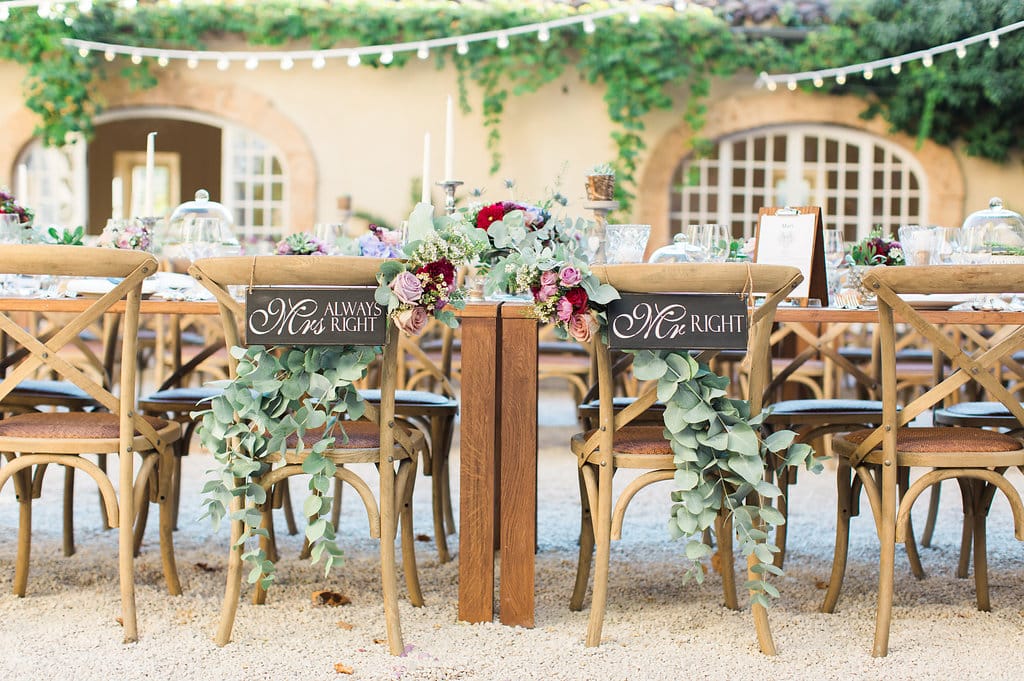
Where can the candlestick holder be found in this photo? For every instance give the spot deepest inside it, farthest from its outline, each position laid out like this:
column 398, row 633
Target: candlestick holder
column 449, row 187
column 597, row 239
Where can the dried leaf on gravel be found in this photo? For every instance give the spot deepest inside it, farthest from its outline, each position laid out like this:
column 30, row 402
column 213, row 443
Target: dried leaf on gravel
column 340, row 668
column 342, row 624
column 820, row 584
column 119, row 621
column 380, row 640
column 331, row 598
column 205, row 567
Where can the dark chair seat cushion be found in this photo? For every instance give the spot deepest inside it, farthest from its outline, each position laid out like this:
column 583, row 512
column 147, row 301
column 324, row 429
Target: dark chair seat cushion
column 43, row 389
column 978, row 409
column 179, row 396
column 861, row 355
column 805, row 407
column 943, row 439
column 68, row 425
column 618, row 403
column 411, row 398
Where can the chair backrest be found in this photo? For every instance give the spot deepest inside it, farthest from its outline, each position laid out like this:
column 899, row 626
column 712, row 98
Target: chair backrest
column 775, row 282
column 218, row 275
column 968, row 363
column 125, row 271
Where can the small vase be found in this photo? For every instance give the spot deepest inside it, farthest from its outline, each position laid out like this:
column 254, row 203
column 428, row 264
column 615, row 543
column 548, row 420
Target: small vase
column 600, row 187
column 855, row 280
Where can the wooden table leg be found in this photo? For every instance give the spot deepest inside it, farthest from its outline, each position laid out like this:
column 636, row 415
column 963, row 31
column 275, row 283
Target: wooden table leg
column 481, row 356
column 518, row 464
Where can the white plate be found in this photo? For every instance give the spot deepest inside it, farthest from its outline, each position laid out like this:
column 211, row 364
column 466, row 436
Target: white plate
column 935, row 301
column 99, row 287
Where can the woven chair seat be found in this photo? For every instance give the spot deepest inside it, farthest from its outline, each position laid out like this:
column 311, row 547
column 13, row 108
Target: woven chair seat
column 635, row 447
column 363, row 436
column 68, row 425
column 942, row 447
column 411, row 398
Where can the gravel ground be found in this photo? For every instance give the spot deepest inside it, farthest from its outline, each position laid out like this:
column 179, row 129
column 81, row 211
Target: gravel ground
column 656, row 627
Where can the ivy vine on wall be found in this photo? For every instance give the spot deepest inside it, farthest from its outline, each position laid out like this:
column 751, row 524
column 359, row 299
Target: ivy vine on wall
column 665, row 61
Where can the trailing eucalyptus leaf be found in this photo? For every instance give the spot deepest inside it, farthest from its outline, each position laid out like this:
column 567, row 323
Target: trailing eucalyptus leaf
column 280, row 393
column 720, row 460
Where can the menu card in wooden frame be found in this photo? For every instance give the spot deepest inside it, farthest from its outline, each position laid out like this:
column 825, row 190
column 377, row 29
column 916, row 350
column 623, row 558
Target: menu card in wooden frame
column 795, row 237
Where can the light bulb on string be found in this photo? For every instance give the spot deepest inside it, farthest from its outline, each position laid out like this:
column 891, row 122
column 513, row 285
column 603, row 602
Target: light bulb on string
column 192, row 62
column 163, row 60
column 287, row 63
column 927, row 60
column 589, row 26
column 791, row 85
column 841, row 78
column 462, row 47
column 423, row 52
column 543, row 34
column 84, row 6
column 252, row 63
column 634, row 16
column 353, row 59
column 130, row 4
column 993, row 41
column 223, row 64
column 43, row 10
column 819, row 81
column 68, row 21
column 387, row 56
column 109, row 55
column 5, row 13
column 319, row 62
column 868, row 74
column 896, row 68
column 771, row 85
column 501, row 42
column 83, row 51
column 136, row 58
column 961, row 51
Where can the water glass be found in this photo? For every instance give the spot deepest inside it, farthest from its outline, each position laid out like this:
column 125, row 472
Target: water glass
column 918, row 243
column 835, row 259
column 716, row 241
column 330, row 234
column 10, row 233
column 946, row 249
column 205, row 238
column 626, row 243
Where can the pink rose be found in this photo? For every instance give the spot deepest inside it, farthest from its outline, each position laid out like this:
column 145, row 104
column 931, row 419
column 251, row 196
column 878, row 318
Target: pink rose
column 407, row 287
column 412, row 320
column 546, row 291
column 564, row 309
column 548, row 278
column 570, row 276
column 581, row 327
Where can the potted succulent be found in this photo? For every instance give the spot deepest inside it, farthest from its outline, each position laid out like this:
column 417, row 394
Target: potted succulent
column 874, row 250
column 601, row 183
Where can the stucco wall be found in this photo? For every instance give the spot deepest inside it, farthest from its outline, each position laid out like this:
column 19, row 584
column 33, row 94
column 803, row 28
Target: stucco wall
column 359, row 131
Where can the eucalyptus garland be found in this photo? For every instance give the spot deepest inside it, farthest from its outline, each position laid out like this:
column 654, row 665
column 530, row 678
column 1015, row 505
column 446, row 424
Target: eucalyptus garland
column 280, row 394
column 720, row 458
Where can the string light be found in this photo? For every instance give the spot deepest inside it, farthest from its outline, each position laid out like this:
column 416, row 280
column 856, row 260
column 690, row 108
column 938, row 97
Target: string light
column 319, row 62
column 82, row 52
column 163, row 61
column 84, row 6
column 819, row 81
column 223, row 64
column 252, row 63
column 109, row 55
column 136, row 58
column 895, row 63
column 5, row 13
column 384, row 53
column 353, row 59
column 287, row 63
column 791, row 85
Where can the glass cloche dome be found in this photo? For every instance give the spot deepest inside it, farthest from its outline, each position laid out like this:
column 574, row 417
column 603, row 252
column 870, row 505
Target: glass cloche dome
column 680, row 250
column 200, row 219
column 996, row 229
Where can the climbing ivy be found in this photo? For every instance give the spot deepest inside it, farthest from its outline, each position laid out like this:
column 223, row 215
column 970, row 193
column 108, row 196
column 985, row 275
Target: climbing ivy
column 666, row 60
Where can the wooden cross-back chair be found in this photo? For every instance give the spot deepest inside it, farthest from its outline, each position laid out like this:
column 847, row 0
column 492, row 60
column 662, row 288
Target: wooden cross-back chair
column 31, row 441
column 376, row 439
column 975, row 457
column 618, row 442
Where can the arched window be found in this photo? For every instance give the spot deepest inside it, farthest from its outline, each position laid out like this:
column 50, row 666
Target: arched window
column 860, row 180
column 51, row 181
column 254, row 179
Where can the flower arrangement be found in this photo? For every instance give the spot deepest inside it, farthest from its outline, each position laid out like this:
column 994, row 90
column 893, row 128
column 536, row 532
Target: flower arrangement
column 423, row 285
column 380, row 242
column 133, row 235
column 301, row 243
column 9, row 204
column 876, row 249
column 505, row 222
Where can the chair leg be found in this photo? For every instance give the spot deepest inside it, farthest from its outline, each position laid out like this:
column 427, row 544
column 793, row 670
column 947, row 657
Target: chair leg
column 69, row 511
column 599, row 598
column 966, row 534
column 166, row 525
column 933, row 514
column 886, row 563
column 782, row 505
column 336, row 504
column 388, row 568
column 844, row 505
column 126, row 546
column 286, row 506
column 101, row 461
column 586, row 556
column 406, row 482
column 723, row 530
column 913, row 557
column 141, row 520
column 259, row 594
column 983, row 494
column 233, row 588
column 760, row 613
column 437, row 489
column 24, row 533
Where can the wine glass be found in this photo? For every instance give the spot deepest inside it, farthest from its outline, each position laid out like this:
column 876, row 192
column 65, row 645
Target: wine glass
column 330, row 234
column 201, row 238
column 835, row 258
column 10, row 233
column 716, row 242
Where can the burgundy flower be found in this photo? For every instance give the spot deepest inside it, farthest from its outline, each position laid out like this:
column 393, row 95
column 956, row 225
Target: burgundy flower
column 577, row 297
column 439, row 268
column 490, row 214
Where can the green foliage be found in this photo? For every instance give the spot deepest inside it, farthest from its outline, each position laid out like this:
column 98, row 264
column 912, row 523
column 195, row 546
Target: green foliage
column 720, row 460
column 67, row 237
column 280, row 393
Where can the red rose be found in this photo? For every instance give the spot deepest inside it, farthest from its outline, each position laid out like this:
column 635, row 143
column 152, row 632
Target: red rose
column 578, row 297
column 439, row 268
column 490, row 214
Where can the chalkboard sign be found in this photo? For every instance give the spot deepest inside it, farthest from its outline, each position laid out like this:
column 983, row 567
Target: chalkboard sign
column 314, row 316
column 678, row 321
